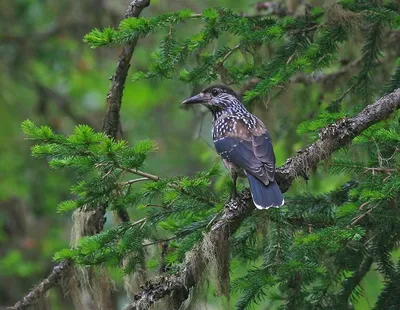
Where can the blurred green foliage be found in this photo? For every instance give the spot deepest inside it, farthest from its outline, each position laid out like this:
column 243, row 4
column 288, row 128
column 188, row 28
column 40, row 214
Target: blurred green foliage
column 50, row 76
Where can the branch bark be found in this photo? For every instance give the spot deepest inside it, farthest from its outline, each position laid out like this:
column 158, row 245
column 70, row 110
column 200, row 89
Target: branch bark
column 331, row 138
column 111, row 121
column 58, row 273
column 111, row 127
column 334, row 137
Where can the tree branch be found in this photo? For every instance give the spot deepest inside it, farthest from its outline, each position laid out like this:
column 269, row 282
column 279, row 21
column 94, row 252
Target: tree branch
column 40, row 290
column 111, row 127
column 331, row 138
column 334, row 137
column 111, row 121
column 133, row 181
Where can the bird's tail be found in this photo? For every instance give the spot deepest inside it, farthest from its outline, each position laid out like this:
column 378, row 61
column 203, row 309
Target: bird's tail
column 265, row 197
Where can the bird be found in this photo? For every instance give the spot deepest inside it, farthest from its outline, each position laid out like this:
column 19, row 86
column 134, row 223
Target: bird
column 243, row 142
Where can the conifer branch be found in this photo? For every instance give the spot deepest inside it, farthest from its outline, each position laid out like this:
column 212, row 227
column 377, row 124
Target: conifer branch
column 331, row 138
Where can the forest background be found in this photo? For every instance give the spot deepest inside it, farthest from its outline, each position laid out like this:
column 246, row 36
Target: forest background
column 52, row 77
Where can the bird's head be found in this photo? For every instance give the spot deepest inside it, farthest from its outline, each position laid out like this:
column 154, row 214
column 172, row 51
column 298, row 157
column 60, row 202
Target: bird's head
column 216, row 98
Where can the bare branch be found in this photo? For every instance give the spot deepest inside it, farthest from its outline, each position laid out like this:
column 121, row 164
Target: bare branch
column 334, row 137
column 143, row 174
column 39, row 290
column 111, row 121
column 134, row 181
column 384, row 170
column 331, row 138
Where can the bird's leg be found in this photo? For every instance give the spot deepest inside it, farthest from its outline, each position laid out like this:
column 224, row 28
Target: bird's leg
column 234, row 179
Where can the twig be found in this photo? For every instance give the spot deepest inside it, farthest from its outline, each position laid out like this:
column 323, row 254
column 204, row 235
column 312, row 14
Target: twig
column 160, row 241
column 214, row 219
column 360, row 217
column 384, row 170
column 141, row 221
column 154, row 205
column 345, row 93
column 133, row 181
column 143, row 174
column 363, row 205
column 228, row 54
column 313, row 27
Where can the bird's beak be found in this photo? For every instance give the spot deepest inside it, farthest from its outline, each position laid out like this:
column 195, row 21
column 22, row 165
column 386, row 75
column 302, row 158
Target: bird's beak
column 200, row 98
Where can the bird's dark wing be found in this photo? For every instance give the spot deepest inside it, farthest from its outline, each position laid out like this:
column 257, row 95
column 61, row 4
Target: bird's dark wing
column 264, row 151
column 255, row 156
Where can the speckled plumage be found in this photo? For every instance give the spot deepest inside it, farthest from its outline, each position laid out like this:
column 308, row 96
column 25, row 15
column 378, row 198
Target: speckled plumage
column 243, row 142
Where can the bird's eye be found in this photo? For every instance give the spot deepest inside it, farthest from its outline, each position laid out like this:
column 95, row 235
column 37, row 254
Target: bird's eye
column 214, row 92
